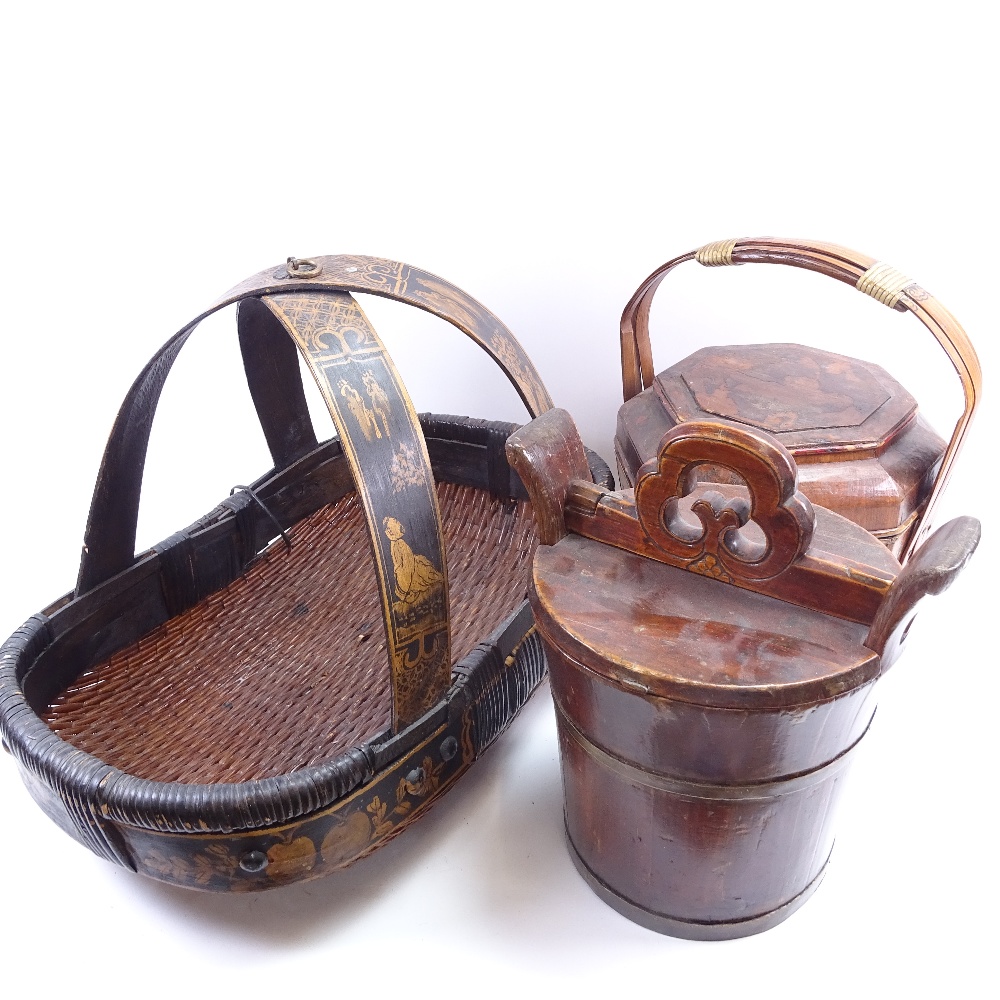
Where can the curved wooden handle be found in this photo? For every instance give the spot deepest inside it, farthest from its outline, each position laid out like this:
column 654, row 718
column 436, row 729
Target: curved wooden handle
column 374, row 419
column 384, row 445
column 865, row 273
column 404, row 283
column 932, row 570
column 271, row 366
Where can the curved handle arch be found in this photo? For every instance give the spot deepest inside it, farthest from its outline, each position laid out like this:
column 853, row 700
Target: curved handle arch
column 378, row 429
column 866, row 274
column 404, row 283
column 109, row 539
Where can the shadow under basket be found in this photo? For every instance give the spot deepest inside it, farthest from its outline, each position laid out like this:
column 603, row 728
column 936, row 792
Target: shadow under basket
column 245, row 742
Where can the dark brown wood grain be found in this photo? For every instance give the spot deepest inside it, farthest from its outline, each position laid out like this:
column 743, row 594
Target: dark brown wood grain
column 703, row 736
column 689, row 859
column 804, row 555
column 860, row 446
column 672, row 633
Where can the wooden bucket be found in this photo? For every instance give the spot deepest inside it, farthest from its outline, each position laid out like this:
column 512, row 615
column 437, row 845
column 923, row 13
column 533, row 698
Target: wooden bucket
column 713, row 660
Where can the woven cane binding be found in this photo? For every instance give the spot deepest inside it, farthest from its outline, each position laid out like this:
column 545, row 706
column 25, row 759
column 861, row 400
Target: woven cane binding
column 288, row 662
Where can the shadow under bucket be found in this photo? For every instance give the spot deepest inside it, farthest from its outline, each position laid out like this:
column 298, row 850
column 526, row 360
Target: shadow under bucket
column 710, row 686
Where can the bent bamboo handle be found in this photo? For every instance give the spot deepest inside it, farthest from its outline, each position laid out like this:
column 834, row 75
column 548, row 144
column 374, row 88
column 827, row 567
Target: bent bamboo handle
column 880, row 281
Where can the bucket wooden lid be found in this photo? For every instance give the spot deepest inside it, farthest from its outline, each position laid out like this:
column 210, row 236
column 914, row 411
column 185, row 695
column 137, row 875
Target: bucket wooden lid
column 650, row 627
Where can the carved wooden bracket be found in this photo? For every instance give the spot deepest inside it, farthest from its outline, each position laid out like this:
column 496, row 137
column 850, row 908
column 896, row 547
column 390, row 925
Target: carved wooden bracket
column 932, row 569
column 548, row 455
column 807, row 556
column 783, row 514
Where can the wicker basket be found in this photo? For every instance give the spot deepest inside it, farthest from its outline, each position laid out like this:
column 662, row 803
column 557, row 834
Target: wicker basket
column 281, row 687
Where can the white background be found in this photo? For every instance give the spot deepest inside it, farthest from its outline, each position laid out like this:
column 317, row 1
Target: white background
column 545, row 158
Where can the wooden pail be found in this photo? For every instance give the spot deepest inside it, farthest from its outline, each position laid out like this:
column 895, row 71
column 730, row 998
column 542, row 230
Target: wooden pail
column 713, row 660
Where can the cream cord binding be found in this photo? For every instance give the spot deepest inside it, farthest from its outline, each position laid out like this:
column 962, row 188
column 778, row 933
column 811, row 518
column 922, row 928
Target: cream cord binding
column 884, row 283
column 718, row 254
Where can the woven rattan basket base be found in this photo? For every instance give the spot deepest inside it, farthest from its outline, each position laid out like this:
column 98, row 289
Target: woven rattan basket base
column 218, row 715
column 243, row 686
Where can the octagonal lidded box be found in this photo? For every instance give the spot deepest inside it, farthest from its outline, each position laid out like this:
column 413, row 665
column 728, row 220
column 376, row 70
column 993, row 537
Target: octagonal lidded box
column 860, row 444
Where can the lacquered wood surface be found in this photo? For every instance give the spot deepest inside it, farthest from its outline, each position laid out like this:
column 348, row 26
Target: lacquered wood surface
column 696, row 856
column 109, row 543
column 548, row 460
column 700, row 813
column 861, row 448
column 844, row 571
column 763, row 538
column 683, row 635
column 932, row 570
column 811, row 401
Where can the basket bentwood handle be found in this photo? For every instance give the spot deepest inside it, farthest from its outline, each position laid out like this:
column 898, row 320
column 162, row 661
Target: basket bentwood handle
column 270, row 360
column 109, row 540
column 879, row 280
column 374, row 419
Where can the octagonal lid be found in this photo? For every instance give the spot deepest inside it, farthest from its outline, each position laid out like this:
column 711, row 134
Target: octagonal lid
column 811, row 400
